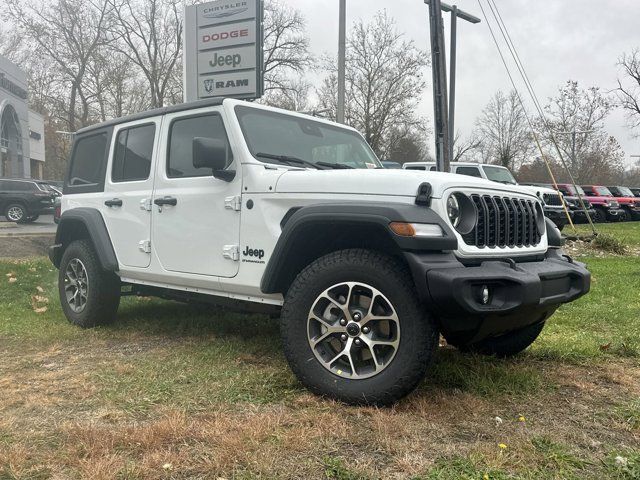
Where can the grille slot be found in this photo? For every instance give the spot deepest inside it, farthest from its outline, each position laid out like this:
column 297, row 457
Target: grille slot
column 503, row 222
column 552, row 199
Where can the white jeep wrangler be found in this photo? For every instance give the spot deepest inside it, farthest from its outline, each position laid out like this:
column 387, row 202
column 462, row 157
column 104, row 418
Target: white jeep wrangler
column 262, row 210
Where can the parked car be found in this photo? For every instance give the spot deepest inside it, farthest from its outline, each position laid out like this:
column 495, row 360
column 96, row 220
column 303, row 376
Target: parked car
column 606, row 208
column 578, row 213
column 627, row 200
column 365, row 266
column 552, row 202
column 23, row 200
column 627, row 204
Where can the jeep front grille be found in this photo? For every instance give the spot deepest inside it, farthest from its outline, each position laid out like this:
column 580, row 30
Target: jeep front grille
column 503, row 222
column 552, row 199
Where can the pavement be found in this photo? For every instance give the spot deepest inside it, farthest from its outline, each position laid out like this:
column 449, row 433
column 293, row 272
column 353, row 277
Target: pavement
column 43, row 226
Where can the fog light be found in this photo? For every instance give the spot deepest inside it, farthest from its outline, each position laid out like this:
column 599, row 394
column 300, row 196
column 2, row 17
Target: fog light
column 485, row 295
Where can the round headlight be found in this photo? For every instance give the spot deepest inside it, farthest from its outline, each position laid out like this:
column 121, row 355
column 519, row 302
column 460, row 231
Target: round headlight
column 462, row 212
column 453, row 210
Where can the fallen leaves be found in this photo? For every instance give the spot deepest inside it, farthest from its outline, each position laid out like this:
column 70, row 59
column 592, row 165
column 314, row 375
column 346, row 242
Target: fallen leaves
column 39, row 302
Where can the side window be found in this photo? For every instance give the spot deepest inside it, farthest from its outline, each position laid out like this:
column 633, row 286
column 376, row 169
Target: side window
column 415, row 168
column 181, row 135
column 469, row 171
column 433, row 169
column 133, row 154
column 88, row 156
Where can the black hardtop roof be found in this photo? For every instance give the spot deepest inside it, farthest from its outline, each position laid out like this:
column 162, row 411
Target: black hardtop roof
column 180, row 107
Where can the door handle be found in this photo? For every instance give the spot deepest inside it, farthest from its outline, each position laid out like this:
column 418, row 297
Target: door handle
column 166, row 201
column 116, row 202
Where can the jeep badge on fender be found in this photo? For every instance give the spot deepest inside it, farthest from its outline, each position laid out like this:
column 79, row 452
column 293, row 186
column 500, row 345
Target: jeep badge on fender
column 366, row 267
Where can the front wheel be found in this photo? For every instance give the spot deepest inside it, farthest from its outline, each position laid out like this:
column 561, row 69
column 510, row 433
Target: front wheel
column 600, row 216
column 89, row 295
column 509, row 344
column 354, row 330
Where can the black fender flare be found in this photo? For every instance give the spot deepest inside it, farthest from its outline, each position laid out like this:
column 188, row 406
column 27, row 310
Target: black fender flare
column 554, row 237
column 89, row 219
column 295, row 225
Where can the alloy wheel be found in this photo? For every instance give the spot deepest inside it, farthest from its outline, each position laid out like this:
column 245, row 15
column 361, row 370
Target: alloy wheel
column 353, row 330
column 15, row 214
column 76, row 285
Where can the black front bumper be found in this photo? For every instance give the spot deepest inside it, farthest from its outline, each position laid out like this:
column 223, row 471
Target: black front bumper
column 579, row 216
column 615, row 214
column 557, row 215
column 520, row 294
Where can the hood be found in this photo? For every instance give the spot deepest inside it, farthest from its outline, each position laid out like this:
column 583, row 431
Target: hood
column 386, row 182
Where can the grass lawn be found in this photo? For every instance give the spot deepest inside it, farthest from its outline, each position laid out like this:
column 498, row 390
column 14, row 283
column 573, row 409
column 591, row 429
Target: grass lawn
column 176, row 391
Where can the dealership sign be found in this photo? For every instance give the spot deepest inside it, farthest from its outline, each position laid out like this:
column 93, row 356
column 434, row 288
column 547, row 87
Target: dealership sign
column 223, row 49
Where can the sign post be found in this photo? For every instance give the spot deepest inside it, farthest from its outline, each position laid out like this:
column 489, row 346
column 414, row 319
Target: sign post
column 223, row 50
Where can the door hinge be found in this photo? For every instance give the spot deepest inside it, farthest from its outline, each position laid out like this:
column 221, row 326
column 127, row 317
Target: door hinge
column 145, row 246
column 233, row 203
column 145, row 204
column 232, row 252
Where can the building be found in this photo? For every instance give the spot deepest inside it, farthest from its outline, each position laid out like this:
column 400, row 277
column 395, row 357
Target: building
column 22, row 152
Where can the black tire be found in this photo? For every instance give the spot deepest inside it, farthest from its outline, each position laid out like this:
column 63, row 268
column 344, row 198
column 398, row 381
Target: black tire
column 509, row 344
column 31, row 219
column 600, row 216
column 418, row 338
column 15, row 212
column 102, row 288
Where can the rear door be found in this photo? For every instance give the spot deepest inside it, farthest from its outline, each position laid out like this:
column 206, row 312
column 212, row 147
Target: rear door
column 128, row 187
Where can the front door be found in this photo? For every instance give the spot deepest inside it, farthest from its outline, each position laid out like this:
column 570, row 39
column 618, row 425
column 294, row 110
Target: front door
column 196, row 228
column 127, row 192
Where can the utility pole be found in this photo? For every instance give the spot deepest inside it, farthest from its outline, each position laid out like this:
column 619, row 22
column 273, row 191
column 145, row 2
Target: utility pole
column 444, row 137
column 342, row 33
column 439, row 73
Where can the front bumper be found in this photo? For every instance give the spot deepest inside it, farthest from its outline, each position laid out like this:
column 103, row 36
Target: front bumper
column 579, row 216
column 615, row 214
column 557, row 216
column 520, row 293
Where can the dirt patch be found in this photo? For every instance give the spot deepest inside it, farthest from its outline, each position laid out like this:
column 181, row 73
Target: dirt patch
column 24, row 246
column 52, row 398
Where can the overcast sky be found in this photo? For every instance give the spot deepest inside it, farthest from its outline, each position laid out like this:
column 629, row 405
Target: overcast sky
column 557, row 40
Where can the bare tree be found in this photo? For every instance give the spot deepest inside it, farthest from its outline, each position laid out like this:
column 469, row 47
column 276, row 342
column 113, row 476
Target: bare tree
column 293, row 95
column 149, row 34
column 410, row 148
column 384, row 80
column 286, row 46
column 629, row 90
column 504, row 132
column 597, row 154
column 464, row 147
column 68, row 32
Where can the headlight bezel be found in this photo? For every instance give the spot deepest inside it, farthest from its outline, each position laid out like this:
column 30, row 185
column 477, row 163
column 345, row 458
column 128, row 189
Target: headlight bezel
column 467, row 213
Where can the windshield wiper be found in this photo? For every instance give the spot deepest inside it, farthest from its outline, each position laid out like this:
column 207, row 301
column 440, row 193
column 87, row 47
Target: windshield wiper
column 337, row 166
column 286, row 159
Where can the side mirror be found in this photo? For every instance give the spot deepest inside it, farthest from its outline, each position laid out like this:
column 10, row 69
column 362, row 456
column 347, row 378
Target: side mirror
column 212, row 153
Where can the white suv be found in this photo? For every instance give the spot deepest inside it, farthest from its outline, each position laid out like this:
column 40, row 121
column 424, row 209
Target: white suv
column 264, row 210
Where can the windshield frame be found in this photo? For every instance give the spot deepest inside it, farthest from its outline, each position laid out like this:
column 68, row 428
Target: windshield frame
column 485, row 168
column 240, row 109
column 603, row 191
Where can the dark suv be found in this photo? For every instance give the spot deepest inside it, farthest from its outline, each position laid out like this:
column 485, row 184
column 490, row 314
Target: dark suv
column 23, row 201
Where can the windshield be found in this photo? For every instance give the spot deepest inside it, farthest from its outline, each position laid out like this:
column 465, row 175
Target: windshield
column 625, row 192
column 280, row 134
column 604, row 191
column 499, row 174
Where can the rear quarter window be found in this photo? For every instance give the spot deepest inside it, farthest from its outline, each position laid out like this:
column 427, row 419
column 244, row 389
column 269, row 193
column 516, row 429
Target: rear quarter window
column 88, row 163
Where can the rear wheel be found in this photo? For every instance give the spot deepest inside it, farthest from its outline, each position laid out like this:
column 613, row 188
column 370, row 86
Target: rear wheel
column 31, row 218
column 89, row 295
column 508, row 344
column 15, row 213
column 354, row 330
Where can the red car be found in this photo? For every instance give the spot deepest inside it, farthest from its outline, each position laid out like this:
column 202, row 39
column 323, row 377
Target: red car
column 625, row 193
column 607, row 208
column 628, row 204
